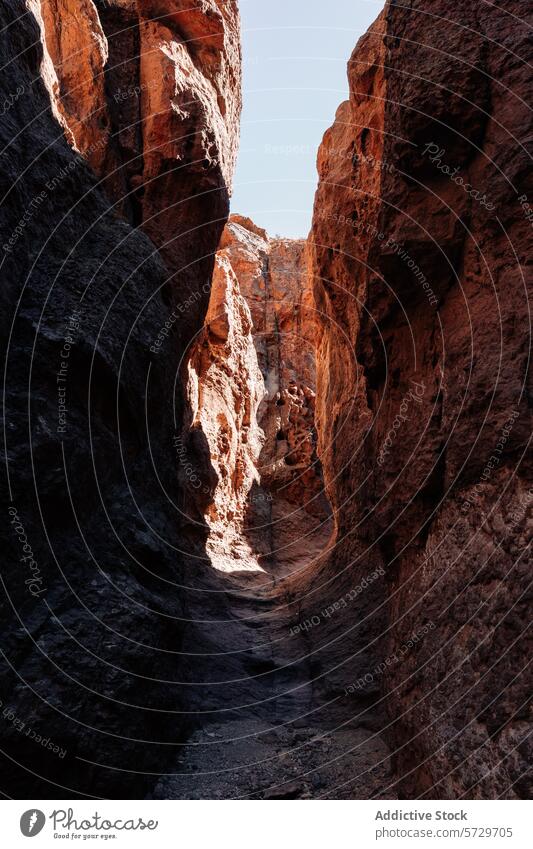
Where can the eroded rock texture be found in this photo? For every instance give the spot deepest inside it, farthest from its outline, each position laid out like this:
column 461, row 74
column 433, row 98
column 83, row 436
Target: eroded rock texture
column 420, row 260
column 93, row 334
column 225, row 387
column 252, row 377
column 295, row 511
column 149, row 93
column 173, row 571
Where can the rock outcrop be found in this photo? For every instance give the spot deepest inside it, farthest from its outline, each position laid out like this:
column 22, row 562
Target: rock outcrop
column 94, row 324
column 420, row 260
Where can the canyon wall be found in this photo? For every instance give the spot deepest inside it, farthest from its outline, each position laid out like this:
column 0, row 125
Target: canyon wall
column 289, row 520
column 420, row 262
column 110, row 118
column 252, row 380
column 179, row 391
column 225, row 388
column 150, row 95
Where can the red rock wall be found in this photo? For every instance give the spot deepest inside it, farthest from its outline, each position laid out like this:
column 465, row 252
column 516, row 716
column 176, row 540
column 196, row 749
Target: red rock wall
column 252, row 381
column 349, row 642
column 289, row 520
column 150, row 95
column 225, row 387
column 423, row 377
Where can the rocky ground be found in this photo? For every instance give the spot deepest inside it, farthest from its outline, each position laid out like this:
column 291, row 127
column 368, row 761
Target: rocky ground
column 254, row 760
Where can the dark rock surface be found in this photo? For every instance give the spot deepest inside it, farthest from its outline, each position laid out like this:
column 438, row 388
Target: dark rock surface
column 90, row 649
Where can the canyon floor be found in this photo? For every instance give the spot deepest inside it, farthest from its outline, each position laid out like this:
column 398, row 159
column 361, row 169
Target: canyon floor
column 258, row 729
column 263, row 737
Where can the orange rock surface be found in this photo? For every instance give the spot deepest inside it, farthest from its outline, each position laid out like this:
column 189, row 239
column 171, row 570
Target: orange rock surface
column 225, row 389
column 150, row 95
column 252, row 389
column 422, row 369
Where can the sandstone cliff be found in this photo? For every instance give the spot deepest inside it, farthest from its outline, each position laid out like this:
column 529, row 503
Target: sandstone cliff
column 150, row 95
column 179, row 391
column 252, row 379
column 225, row 388
column 420, row 244
column 94, row 323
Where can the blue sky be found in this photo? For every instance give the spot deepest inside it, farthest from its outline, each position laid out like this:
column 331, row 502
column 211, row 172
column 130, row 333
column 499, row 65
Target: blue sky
column 295, row 54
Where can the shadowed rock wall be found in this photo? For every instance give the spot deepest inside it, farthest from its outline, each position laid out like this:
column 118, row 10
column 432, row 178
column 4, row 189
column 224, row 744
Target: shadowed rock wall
column 92, row 331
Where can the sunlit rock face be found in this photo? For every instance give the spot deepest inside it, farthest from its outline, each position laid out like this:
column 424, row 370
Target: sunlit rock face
column 419, row 248
column 290, row 505
column 149, row 93
column 225, row 389
column 252, row 395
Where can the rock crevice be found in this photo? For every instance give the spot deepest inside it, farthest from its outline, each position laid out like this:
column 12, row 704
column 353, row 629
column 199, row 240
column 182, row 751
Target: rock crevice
column 276, row 492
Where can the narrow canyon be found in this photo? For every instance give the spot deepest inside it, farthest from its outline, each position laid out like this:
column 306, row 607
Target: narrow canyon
column 268, row 501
